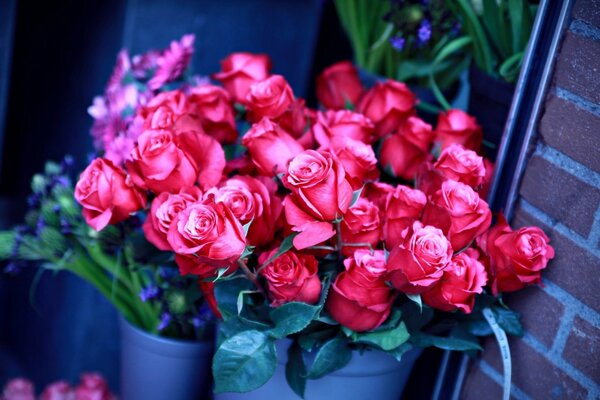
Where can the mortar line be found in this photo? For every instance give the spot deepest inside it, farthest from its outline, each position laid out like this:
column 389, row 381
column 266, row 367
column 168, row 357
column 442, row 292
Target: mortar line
column 568, row 164
column 494, row 375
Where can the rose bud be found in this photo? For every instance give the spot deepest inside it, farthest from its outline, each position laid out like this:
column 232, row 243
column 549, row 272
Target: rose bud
column 320, row 193
column 170, row 110
column 516, row 258
column 456, row 126
column 251, row 200
column 359, row 297
column 270, row 147
column 404, row 151
column 419, row 261
column 215, row 112
column 269, row 98
column 387, row 104
column 459, row 212
column 60, row 390
column 462, row 165
column 377, row 193
column 163, row 211
column 239, row 71
column 361, row 224
column 339, row 86
column 166, row 162
column 106, row 195
column 345, row 123
column 93, row 387
column 291, row 277
column 404, row 206
column 358, row 159
column 462, row 280
column 209, row 233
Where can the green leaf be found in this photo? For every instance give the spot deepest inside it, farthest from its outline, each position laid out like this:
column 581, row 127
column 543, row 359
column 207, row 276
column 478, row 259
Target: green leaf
column 246, row 227
column 399, row 351
column 386, row 340
column 508, row 321
column 416, row 298
column 356, row 196
column 226, row 293
column 286, row 245
column 291, row 318
column 445, row 343
column 295, row 370
column 240, row 299
column 479, row 327
column 7, row 240
column 248, row 250
column 244, row 362
column 387, row 33
column 332, row 356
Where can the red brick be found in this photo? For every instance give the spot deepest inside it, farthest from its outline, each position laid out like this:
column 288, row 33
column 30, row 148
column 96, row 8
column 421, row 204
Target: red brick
column 533, row 374
column 540, row 313
column 560, row 194
column 562, row 122
column 588, row 11
column 578, row 66
column 583, row 348
column 572, row 265
column 480, row 386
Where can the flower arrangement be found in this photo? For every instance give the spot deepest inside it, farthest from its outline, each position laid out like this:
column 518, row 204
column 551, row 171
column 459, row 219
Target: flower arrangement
column 356, row 227
column 91, row 386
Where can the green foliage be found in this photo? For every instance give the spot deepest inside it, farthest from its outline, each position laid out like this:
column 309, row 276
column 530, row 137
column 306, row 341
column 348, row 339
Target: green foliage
column 386, row 340
column 508, row 321
column 445, row 343
column 295, row 370
column 333, row 355
column 291, row 318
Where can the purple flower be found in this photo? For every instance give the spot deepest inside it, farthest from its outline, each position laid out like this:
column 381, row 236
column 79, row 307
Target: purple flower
column 173, row 62
column 397, row 43
column 149, row 293
column 165, row 320
column 424, row 33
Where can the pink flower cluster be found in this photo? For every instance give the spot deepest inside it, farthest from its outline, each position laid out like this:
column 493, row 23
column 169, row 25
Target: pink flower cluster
column 91, row 387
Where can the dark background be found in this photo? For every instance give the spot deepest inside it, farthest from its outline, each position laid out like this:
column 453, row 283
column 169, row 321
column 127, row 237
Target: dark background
column 54, row 58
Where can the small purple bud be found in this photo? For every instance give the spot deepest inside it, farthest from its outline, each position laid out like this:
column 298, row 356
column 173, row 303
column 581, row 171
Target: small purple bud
column 67, row 162
column 165, row 320
column 397, row 43
column 56, row 208
column 41, row 224
column 12, row 268
column 149, row 293
column 33, row 201
column 424, row 33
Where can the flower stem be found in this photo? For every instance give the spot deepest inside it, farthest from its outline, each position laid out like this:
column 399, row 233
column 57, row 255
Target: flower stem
column 340, row 242
column 251, row 276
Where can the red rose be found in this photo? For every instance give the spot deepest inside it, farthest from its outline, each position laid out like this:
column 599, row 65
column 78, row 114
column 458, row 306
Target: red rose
column 239, row 71
column 207, row 233
column 459, row 212
column 291, row 277
column 270, row 147
column 339, row 85
column 403, row 207
column 170, row 110
column 164, row 161
column 359, row 298
column 106, row 195
column 345, row 123
column 251, row 200
column 487, row 181
column 387, row 104
column 456, row 126
column 419, row 261
column 320, row 194
column 93, row 387
column 269, row 98
column 163, row 211
column 215, row 112
column 462, row 165
column 404, row 151
column 358, row 159
column 377, row 192
column 462, row 280
column 60, row 390
column 296, row 118
column 516, row 258
column 361, row 224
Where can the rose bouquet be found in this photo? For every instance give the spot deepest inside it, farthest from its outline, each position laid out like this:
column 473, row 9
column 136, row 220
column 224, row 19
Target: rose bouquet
column 91, row 386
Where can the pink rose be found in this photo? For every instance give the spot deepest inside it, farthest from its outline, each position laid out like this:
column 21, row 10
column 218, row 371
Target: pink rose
column 163, row 211
column 270, row 98
column 93, row 387
column 403, row 207
column 358, row 159
column 106, row 195
column 344, row 124
column 320, row 194
column 270, row 147
column 339, row 86
column 387, row 104
column 296, row 119
column 215, row 112
column 164, row 161
column 377, row 193
column 404, row 151
column 456, row 126
column 207, row 233
column 459, row 212
column 419, row 261
column 251, row 200
column 170, row 110
column 463, row 279
column 291, row 277
column 60, row 390
column 18, row 389
column 359, row 297
column 239, row 71
column 515, row 258
column 462, row 165
column 361, row 224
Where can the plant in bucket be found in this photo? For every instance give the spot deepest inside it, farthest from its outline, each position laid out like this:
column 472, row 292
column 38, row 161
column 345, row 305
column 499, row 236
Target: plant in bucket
column 362, row 236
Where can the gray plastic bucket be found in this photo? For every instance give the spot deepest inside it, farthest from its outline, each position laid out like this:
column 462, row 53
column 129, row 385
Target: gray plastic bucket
column 157, row 368
column 370, row 375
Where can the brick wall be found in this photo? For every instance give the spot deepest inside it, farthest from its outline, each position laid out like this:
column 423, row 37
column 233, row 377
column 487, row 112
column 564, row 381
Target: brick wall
column 559, row 355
